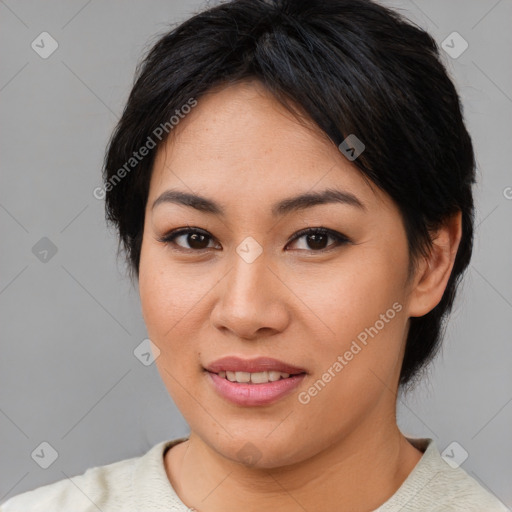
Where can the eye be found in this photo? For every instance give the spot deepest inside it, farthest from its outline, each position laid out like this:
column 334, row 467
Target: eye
column 316, row 238
column 197, row 239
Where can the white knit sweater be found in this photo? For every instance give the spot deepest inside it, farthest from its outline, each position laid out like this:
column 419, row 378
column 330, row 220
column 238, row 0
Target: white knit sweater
column 140, row 484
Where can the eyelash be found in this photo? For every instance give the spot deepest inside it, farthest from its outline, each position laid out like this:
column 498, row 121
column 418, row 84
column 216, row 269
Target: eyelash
column 338, row 237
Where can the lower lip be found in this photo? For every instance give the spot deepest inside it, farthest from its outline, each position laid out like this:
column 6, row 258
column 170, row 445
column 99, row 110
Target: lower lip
column 255, row 394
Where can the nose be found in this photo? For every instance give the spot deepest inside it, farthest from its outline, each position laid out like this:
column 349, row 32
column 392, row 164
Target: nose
column 251, row 301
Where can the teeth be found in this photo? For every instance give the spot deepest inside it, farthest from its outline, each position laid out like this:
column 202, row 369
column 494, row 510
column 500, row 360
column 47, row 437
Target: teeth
column 243, row 377
column 254, row 378
column 259, row 377
column 273, row 376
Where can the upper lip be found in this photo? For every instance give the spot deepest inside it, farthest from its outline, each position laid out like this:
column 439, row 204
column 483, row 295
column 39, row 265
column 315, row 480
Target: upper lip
column 258, row 364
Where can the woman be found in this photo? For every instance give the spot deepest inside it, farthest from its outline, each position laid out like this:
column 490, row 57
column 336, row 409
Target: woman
column 291, row 182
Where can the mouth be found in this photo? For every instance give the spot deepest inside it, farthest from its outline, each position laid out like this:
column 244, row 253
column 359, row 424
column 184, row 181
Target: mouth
column 249, row 382
column 255, row 371
column 255, row 377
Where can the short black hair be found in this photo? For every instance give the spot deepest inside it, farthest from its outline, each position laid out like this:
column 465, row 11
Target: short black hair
column 350, row 66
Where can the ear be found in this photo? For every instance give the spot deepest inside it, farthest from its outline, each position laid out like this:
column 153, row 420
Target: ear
column 434, row 271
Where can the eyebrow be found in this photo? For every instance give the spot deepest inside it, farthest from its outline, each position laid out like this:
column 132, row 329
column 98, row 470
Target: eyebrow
column 288, row 205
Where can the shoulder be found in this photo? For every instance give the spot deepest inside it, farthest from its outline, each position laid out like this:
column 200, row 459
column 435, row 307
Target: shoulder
column 91, row 490
column 438, row 484
column 103, row 488
column 455, row 490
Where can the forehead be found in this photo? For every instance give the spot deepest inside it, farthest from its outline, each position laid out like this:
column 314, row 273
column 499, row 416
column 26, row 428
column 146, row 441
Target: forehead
column 241, row 143
column 244, row 122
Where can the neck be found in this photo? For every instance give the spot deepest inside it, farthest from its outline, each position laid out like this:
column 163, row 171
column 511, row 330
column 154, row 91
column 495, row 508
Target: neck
column 359, row 472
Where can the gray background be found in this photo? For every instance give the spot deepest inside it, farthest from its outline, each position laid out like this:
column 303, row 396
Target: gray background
column 68, row 375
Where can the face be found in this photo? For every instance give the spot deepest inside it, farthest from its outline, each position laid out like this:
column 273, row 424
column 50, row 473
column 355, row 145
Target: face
column 237, row 277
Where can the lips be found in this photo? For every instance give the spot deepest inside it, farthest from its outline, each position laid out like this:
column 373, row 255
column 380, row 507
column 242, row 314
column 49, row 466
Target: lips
column 253, row 382
column 259, row 364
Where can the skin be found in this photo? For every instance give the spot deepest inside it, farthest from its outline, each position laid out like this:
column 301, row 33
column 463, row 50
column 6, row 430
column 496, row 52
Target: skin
column 296, row 303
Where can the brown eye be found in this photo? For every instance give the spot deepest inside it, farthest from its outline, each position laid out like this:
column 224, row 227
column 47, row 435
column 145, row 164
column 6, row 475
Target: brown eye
column 191, row 239
column 196, row 240
column 316, row 239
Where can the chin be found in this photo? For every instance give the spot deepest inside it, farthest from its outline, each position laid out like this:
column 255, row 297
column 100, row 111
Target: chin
column 258, row 451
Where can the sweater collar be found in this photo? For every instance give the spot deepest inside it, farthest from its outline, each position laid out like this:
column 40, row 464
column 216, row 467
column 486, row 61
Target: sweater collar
column 154, row 493
column 152, row 490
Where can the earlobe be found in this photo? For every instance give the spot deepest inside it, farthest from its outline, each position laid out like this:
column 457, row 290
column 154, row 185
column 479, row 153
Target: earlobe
column 433, row 273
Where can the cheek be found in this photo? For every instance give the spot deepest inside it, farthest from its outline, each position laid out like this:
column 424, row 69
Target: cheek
column 165, row 300
column 168, row 292
column 175, row 300
column 354, row 365
column 359, row 315
column 351, row 295
column 170, row 301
